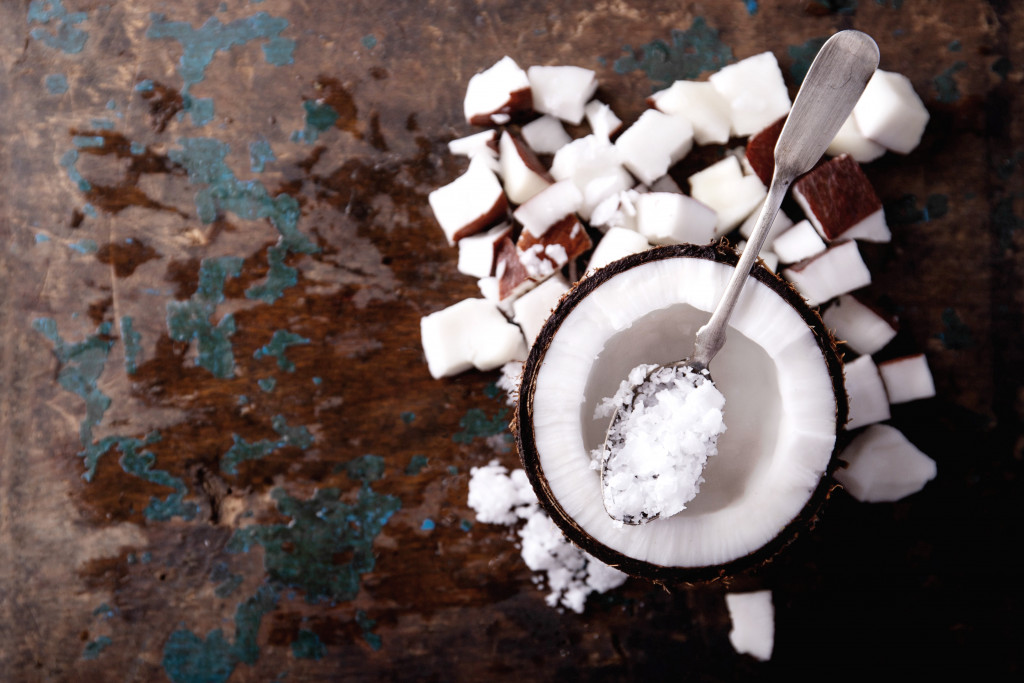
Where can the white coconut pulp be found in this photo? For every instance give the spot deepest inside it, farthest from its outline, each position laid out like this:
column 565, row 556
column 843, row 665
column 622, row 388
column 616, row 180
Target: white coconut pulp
column 780, row 407
column 666, row 425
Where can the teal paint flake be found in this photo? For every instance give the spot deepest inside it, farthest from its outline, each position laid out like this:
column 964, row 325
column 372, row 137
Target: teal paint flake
column 94, row 648
column 475, row 424
column 145, row 85
column 452, row 469
column 200, row 45
column 132, row 348
column 366, row 624
column 242, row 451
column 276, row 347
column 137, row 148
column 203, row 158
column 955, row 46
column 102, row 124
column 228, row 586
column 751, row 6
column 428, row 525
column 279, row 51
column 905, row 210
column 802, row 56
column 67, row 38
column 318, row 381
column 691, row 53
column 416, row 465
column 139, row 463
column 369, row 41
column 267, row 384
column 492, row 390
column 307, row 645
column 945, row 83
column 408, row 417
column 365, row 468
column 84, row 246
column 319, row 118
column 90, row 211
column 465, row 525
column 187, row 658
column 302, row 554
column 259, row 154
column 70, row 162
column 192, row 319
column 56, row 84
column 105, row 611
column 957, row 335
column 40, row 238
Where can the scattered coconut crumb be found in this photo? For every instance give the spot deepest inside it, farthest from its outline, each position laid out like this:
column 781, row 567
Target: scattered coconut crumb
column 511, row 374
column 570, row 574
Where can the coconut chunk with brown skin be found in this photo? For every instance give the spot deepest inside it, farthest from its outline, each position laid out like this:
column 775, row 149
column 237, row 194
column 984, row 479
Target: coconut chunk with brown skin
column 849, row 140
column 907, row 379
column 730, row 194
column 891, row 113
column 522, row 173
column 495, row 95
column 759, row 153
column 549, row 206
column 471, row 203
column 594, row 166
column 469, row 334
column 615, row 244
column 478, row 144
column 755, row 92
column 510, row 275
column 841, row 203
column 654, row 142
column 478, row 253
column 866, row 391
column 883, row 466
column 837, row 270
column 560, row 244
column 531, row 310
column 753, row 623
column 545, row 134
column 858, row 325
column 701, row 104
column 602, row 120
column 798, row 243
column 669, row 218
column 562, row 91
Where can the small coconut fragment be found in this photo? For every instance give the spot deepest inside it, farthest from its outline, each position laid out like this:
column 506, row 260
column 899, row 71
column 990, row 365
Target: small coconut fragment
column 522, row 173
column 781, row 223
column 861, row 327
column 482, row 144
column 732, row 195
column 548, row 207
column 753, row 623
column 594, row 166
column 497, row 497
column 545, row 135
column 701, row 104
column 841, row 203
column 559, row 244
column 868, row 401
column 471, row 333
column 602, row 120
column 760, row 151
column 562, row 91
column 493, row 96
column 907, row 379
column 837, row 270
column 616, row 243
column 531, row 310
column 669, row 218
column 478, row 253
column 883, row 466
column 511, row 278
column 471, row 203
column 849, row 140
column 654, row 142
column 890, row 113
column 798, row 243
column 617, row 211
column 755, row 91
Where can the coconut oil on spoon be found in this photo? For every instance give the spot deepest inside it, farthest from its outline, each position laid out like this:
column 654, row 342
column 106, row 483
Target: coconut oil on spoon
column 665, row 419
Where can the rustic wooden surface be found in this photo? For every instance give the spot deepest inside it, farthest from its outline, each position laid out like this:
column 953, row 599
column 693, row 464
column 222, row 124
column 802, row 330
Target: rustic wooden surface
column 267, row 516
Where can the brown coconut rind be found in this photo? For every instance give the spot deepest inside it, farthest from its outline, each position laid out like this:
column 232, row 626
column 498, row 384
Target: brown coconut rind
column 838, row 195
column 518, row 105
column 760, row 150
column 522, row 424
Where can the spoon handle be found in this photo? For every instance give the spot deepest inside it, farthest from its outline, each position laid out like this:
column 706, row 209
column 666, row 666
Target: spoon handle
column 830, row 90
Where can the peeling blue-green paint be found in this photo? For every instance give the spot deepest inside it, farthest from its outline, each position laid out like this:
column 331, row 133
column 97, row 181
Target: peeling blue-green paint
column 946, row 85
column 94, row 648
column 279, row 51
column 66, row 37
column 428, row 525
column 303, row 554
column 40, row 238
column 137, row 148
column 260, row 153
column 276, row 347
column 408, row 417
column 802, row 56
column 751, row 6
column 70, row 163
column 452, row 469
column 267, row 384
column 56, row 84
column 955, row 46
column 365, row 468
column 104, row 610
column 905, row 209
column 690, row 53
column 102, row 124
column 228, row 586
column 307, row 645
column 956, row 335
column 369, row 41
column 193, row 319
column 416, row 465
column 242, row 451
column 139, row 463
column 366, row 624
column 465, row 525
column 132, row 346
column 319, row 118
column 187, row 658
column 476, row 424
column 84, row 246
column 90, row 211
column 145, row 85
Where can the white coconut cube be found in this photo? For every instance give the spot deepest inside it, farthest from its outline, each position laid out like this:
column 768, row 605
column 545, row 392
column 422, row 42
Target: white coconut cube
column 753, row 623
column 562, row 91
column 798, row 243
column 522, row 176
column 549, row 206
column 531, row 310
column 476, row 252
column 884, row 466
column 617, row 243
column 654, row 142
column 866, row 393
column 781, row 223
column 755, row 91
column 702, row 105
column 907, row 379
column 470, row 334
column 669, row 218
column 732, row 195
column 860, row 327
column 890, row 113
column 495, row 92
column 470, row 203
column 481, row 143
column 837, row 270
column 602, row 120
column 594, row 166
column 545, row 134
column 616, row 211
column 666, row 183
column 849, row 140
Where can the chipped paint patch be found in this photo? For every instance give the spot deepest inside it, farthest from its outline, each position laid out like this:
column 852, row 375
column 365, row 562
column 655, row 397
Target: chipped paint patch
column 945, row 83
column 956, row 335
column 242, row 451
column 51, row 13
column 307, row 645
column 689, row 54
column 476, row 424
column 802, row 56
column 193, row 319
column 276, row 347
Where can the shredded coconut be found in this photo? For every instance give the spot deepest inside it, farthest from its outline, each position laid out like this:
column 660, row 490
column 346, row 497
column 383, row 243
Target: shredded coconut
column 511, row 374
column 659, row 444
column 570, row 574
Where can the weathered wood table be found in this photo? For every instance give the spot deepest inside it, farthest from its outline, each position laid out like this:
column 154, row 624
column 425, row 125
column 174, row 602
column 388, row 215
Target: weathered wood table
column 221, row 454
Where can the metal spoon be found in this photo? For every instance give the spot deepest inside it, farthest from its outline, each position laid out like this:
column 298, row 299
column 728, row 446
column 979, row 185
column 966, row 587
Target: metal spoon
column 833, row 85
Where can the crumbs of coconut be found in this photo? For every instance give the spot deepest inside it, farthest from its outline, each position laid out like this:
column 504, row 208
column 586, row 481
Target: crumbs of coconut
column 659, row 442
column 502, row 497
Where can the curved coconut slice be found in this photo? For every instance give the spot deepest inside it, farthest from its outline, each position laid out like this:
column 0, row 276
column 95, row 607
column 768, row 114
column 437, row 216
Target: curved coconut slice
column 883, row 466
column 780, row 374
column 494, row 95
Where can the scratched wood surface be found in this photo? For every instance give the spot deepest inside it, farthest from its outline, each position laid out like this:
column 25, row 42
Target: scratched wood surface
column 221, row 455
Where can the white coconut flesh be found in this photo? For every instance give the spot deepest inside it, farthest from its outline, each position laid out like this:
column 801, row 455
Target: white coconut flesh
column 780, row 409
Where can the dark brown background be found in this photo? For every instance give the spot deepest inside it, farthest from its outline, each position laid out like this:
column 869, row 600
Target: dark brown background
column 91, row 588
